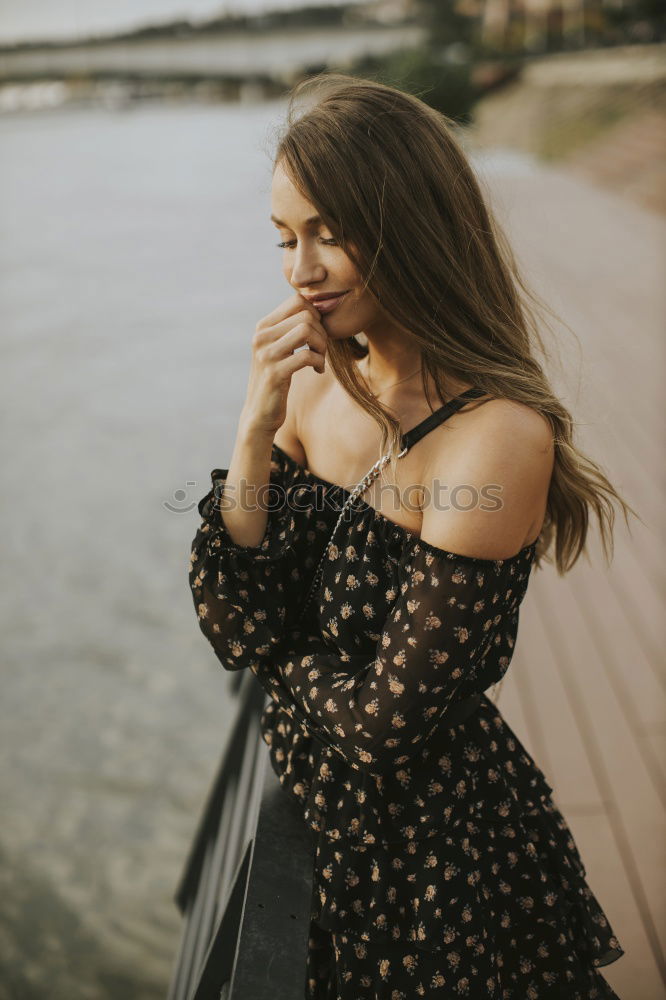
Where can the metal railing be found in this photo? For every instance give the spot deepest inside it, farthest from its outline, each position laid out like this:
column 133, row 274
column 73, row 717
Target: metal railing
column 246, row 887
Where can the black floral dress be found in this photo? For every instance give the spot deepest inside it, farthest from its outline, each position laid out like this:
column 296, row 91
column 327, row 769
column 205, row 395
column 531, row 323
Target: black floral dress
column 442, row 866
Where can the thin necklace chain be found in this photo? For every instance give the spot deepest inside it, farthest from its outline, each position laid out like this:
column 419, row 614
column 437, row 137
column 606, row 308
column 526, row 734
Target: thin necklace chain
column 360, row 488
column 378, row 394
column 356, row 492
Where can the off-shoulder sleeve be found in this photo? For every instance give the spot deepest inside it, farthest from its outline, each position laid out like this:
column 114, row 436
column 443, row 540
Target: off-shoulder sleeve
column 452, row 613
column 244, row 594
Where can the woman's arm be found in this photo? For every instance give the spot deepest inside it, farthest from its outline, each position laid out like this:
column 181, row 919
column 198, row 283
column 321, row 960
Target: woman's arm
column 247, row 563
column 379, row 712
column 242, row 507
column 243, row 594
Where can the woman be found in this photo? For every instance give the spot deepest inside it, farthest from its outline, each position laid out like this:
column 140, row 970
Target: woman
column 376, row 617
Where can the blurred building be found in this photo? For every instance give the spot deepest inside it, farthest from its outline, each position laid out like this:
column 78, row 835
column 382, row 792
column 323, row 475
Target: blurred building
column 528, row 25
column 536, row 24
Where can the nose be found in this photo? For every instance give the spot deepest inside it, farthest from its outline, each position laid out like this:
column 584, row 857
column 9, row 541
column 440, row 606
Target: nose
column 306, row 269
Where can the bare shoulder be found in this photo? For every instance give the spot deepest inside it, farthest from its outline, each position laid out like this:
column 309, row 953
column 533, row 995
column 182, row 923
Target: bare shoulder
column 498, row 421
column 488, row 483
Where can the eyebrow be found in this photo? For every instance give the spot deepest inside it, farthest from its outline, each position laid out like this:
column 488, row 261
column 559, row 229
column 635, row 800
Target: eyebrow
column 308, row 222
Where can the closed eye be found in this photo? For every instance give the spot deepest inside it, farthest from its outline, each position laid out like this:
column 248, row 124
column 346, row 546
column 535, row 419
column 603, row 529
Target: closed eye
column 289, row 244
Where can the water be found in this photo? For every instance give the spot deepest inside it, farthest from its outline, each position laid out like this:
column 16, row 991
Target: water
column 137, row 257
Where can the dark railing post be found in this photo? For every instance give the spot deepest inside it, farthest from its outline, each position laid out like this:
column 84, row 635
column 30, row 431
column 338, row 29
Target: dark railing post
column 272, row 945
column 246, row 888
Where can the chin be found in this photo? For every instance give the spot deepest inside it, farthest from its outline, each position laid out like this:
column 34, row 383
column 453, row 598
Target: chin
column 341, row 327
column 341, row 333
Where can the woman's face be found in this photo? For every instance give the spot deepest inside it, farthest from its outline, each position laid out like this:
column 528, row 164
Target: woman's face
column 313, row 263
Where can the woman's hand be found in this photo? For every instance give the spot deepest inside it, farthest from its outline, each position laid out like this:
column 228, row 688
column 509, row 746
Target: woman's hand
column 294, row 324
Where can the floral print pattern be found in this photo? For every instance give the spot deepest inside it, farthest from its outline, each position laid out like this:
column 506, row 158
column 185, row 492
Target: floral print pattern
column 441, row 864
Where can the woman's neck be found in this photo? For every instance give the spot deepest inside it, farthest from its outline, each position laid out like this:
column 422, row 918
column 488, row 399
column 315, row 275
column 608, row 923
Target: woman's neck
column 382, row 366
column 381, row 374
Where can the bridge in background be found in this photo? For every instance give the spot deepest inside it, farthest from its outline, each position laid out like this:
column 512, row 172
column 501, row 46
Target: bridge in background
column 280, row 56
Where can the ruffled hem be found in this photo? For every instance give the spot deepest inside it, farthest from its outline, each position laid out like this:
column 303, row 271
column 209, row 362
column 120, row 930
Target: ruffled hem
column 360, row 970
column 444, row 891
column 444, row 895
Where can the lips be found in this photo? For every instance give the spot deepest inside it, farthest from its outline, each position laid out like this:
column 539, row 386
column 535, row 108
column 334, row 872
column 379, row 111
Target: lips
column 327, row 303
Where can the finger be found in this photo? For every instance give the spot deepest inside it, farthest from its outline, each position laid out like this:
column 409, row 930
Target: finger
column 301, row 336
column 296, row 320
column 309, row 305
column 294, row 304
column 301, row 359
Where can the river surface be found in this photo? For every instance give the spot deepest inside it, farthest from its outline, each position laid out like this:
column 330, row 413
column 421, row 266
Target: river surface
column 137, row 256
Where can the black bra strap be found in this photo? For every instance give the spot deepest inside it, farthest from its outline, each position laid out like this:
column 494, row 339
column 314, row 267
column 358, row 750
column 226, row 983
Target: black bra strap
column 439, row 416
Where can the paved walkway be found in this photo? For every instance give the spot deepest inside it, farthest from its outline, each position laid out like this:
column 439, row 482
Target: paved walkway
column 629, row 159
column 586, row 688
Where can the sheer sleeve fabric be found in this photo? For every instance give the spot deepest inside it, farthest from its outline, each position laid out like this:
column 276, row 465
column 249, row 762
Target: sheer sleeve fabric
column 244, row 595
column 379, row 713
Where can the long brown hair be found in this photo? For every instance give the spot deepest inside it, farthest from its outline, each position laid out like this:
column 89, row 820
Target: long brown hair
column 390, row 180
